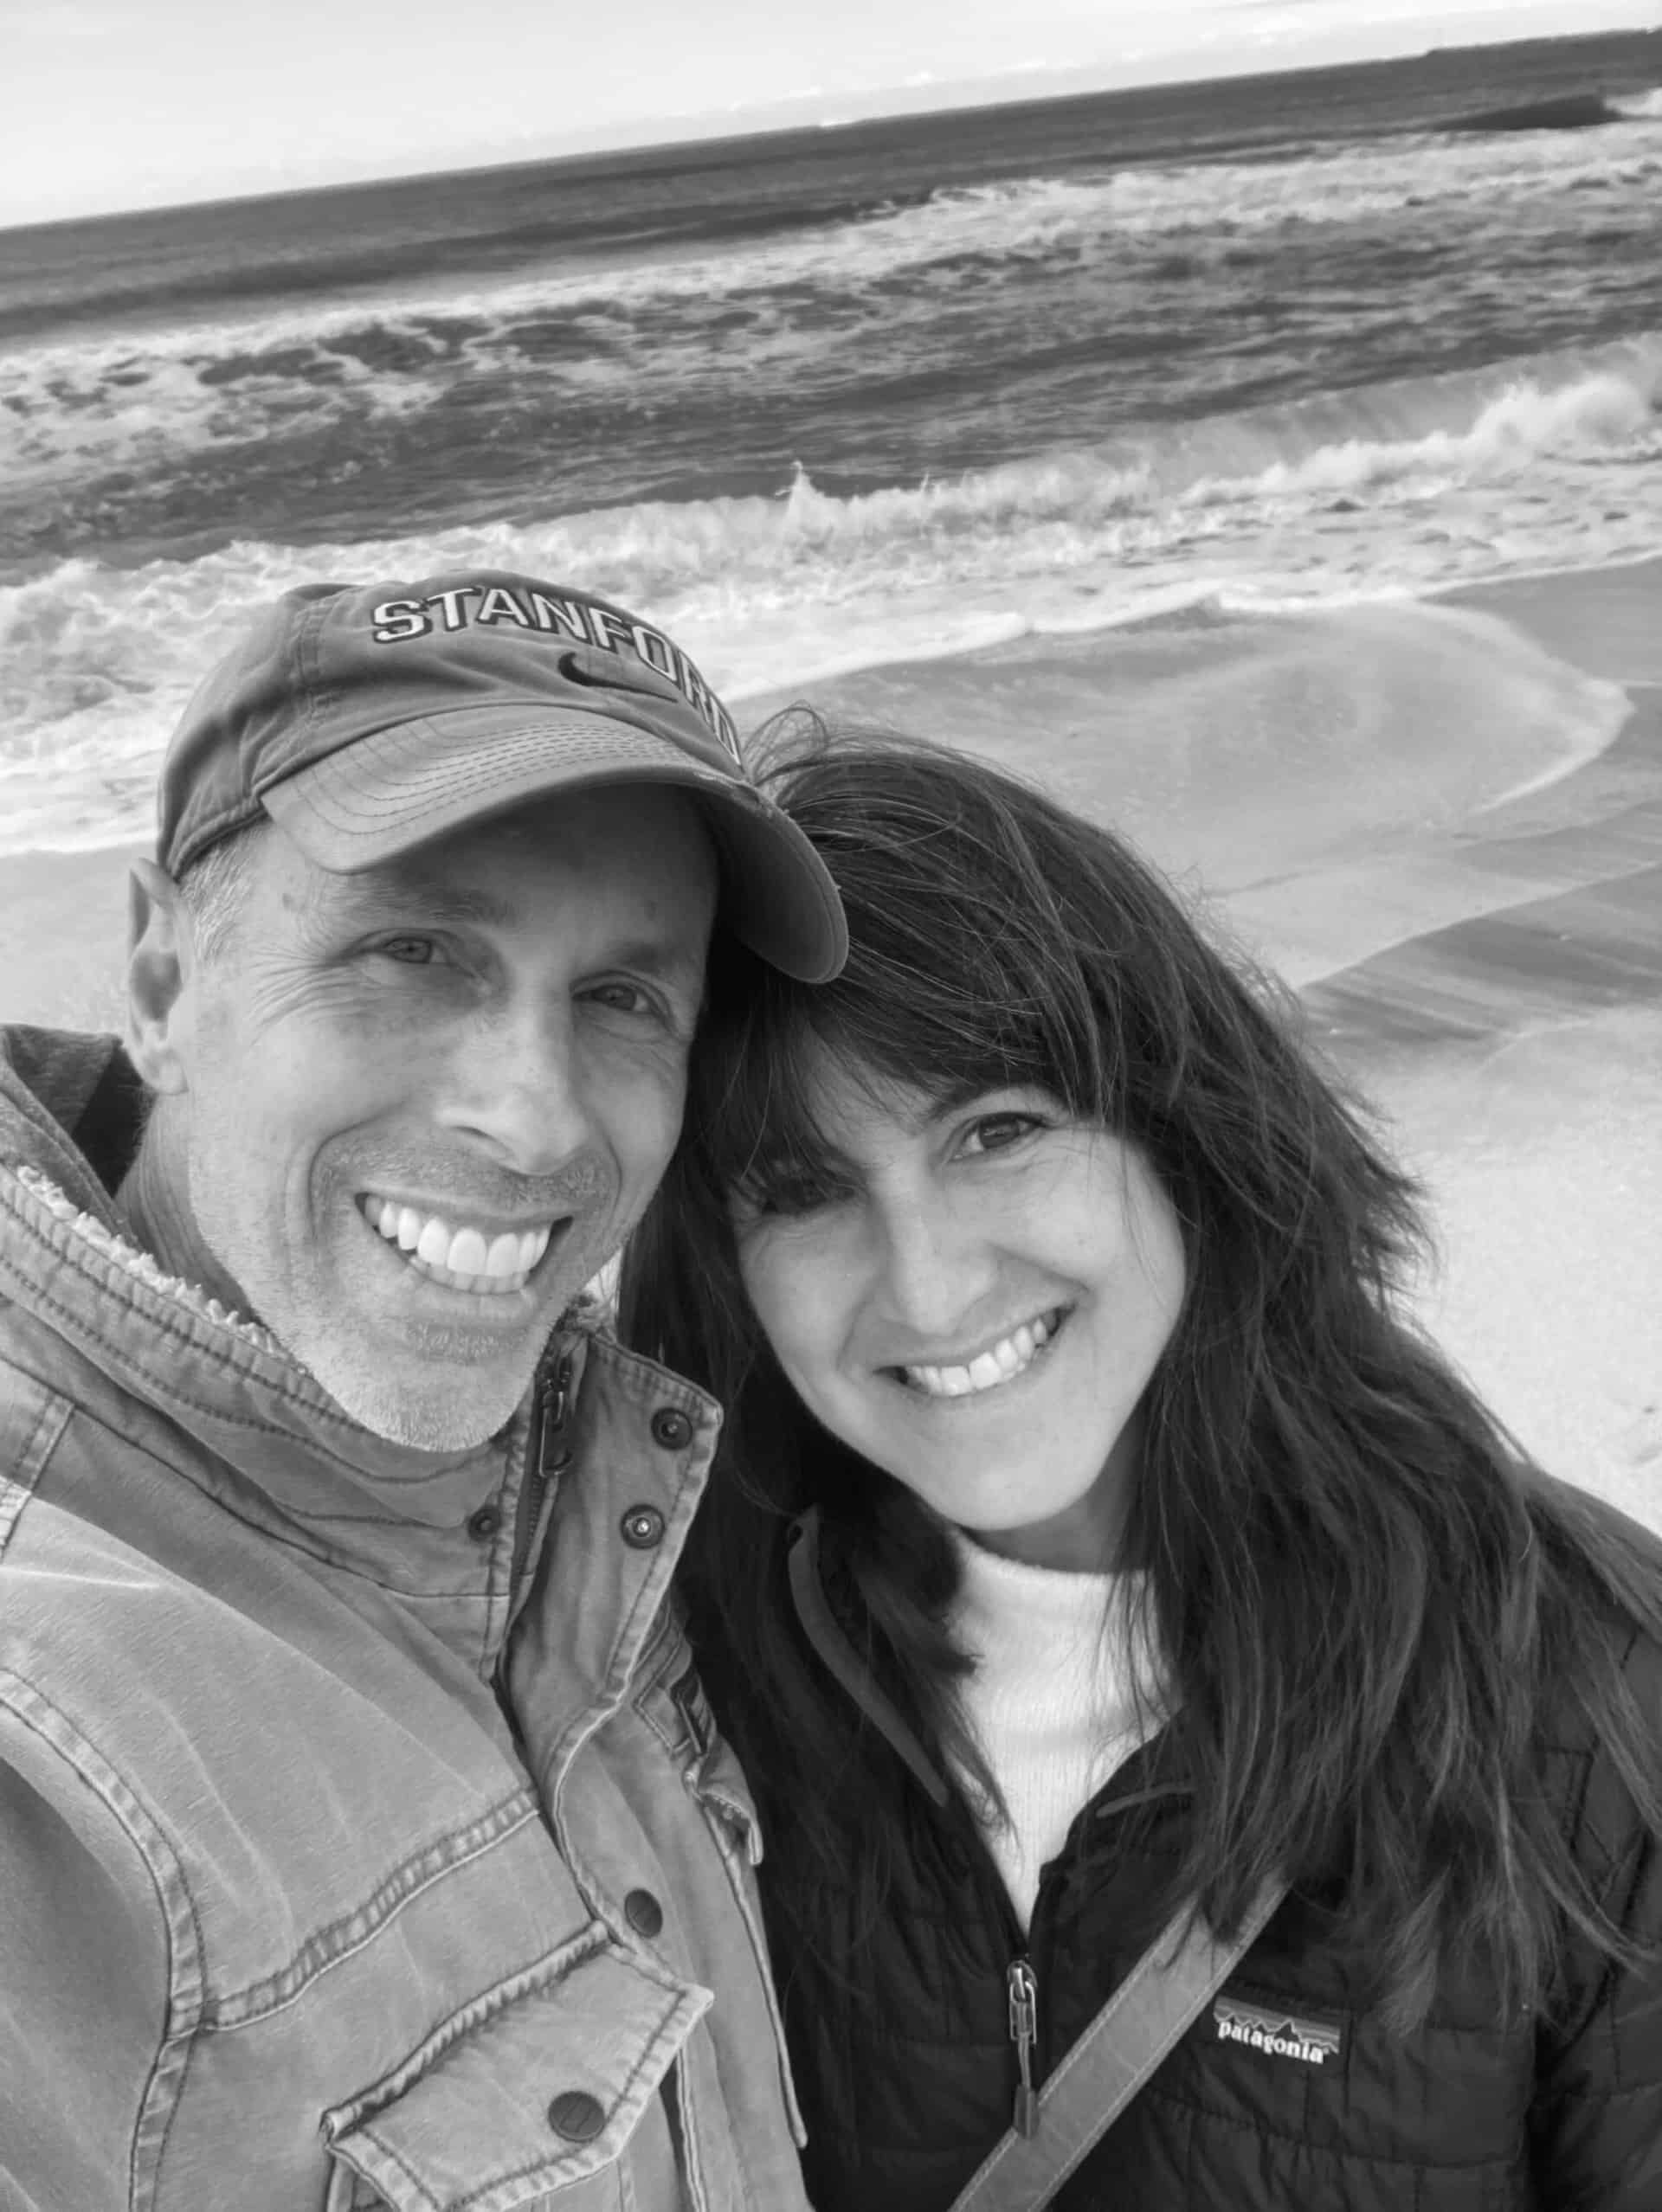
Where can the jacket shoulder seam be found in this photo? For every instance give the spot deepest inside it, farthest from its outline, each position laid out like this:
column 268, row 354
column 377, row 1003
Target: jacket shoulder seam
column 33, row 1418
column 32, row 1709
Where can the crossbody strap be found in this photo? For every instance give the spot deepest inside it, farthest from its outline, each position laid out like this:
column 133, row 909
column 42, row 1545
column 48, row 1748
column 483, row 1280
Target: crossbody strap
column 1181, row 1970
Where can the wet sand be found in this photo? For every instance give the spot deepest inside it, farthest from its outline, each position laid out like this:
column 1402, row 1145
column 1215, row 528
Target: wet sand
column 63, row 928
column 1517, row 1054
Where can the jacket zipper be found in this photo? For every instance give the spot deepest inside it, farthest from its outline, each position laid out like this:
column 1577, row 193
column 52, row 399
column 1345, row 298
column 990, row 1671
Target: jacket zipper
column 548, row 1416
column 1024, row 2034
column 547, row 1412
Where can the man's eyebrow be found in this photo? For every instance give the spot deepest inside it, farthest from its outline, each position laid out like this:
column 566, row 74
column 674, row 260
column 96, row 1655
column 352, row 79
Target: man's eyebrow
column 668, row 958
column 411, row 900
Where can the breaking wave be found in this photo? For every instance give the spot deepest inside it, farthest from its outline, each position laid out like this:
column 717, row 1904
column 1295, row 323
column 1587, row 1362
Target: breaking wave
column 133, row 397
column 1391, row 490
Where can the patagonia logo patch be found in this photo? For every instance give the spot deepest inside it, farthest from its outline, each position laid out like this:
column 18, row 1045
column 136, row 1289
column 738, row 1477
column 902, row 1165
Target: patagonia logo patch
column 1282, row 2034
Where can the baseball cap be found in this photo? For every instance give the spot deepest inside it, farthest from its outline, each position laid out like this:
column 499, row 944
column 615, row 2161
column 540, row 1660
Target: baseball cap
column 366, row 720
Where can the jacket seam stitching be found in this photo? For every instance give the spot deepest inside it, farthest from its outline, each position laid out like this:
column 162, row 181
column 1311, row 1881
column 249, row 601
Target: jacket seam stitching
column 1341, row 2153
column 158, row 1313
column 168, row 1324
column 17, row 1484
column 620, row 1678
column 631, row 1369
column 642, row 2068
column 748, row 1907
column 314, row 1554
column 165, row 2076
column 403, row 2167
column 272, row 1993
column 541, row 1975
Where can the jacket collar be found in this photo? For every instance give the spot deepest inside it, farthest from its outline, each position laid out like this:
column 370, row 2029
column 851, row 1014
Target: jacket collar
column 102, row 1320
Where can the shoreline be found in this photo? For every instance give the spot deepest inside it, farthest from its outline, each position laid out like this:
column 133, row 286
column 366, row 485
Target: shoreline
column 1338, row 926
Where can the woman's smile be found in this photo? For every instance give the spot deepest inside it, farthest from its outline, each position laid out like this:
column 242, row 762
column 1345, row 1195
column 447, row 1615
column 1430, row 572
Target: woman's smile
column 1004, row 1362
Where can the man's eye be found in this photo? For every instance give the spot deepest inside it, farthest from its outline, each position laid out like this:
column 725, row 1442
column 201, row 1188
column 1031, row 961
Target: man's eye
column 409, row 952
column 621, row 998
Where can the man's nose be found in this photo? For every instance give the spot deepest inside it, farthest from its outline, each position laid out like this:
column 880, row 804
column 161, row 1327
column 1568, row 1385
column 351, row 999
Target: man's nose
column 515, row 1085
column 935, row 1265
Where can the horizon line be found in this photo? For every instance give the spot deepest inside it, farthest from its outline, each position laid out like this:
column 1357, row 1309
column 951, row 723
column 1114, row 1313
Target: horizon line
column 712, row 127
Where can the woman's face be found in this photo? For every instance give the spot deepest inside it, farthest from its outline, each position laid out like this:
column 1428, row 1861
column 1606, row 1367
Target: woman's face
column 974, row 1298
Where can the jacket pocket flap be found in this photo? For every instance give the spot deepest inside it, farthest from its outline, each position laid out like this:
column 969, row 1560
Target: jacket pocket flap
column 530, row 2088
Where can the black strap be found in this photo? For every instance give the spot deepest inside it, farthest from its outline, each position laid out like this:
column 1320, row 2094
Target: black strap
column 838, row 1656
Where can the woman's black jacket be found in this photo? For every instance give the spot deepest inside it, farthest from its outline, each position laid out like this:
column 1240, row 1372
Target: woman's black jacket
column 1289, row 2090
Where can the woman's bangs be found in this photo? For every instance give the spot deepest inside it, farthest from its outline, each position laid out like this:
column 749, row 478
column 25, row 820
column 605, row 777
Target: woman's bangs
column 760, row 1130
column 757, row 1125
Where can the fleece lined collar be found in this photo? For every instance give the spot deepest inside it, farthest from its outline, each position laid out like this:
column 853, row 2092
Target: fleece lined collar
column 97, row 1317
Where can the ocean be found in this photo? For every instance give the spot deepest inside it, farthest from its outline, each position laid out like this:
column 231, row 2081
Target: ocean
column 827, row 399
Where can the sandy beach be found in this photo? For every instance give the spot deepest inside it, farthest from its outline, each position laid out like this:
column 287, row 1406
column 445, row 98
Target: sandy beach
column 1476, row 932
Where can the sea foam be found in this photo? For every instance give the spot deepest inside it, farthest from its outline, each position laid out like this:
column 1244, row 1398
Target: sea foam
column 1388, row 492
column 130, row 397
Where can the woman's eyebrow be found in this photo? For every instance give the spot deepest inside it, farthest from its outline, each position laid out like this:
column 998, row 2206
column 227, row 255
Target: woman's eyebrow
column 967, row 1093
column 816, row 1157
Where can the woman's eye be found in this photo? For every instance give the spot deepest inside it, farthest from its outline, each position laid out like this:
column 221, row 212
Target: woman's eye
column 784, row 1195
column 998, row 1132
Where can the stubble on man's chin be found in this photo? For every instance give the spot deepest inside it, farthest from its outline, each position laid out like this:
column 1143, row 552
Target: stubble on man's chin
column 437, row 1417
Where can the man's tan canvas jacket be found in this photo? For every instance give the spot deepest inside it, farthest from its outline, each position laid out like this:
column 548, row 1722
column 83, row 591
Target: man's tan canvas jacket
column 364, row 1841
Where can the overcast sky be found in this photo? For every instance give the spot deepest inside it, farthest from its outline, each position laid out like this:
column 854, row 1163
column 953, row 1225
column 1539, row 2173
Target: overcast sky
column 109, row 104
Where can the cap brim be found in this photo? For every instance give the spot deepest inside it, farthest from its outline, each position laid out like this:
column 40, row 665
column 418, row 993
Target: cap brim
column 397, row 789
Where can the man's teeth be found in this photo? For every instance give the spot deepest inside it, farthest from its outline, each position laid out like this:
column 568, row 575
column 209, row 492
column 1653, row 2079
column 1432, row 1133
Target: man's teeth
column 1008, row 1358
column 504, row 1262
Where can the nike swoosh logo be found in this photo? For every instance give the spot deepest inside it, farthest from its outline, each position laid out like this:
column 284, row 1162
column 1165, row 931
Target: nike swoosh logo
column 614, row 678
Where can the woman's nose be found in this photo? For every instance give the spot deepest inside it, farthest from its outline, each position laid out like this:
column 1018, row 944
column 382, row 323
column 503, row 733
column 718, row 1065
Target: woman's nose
column 935, row 1265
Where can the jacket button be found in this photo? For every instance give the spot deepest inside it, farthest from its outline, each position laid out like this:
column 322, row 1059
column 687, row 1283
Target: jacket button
column 484, row 1524
column 671, row 1428
column 643, row 1528
column 576, row 2116
column 643, row 1913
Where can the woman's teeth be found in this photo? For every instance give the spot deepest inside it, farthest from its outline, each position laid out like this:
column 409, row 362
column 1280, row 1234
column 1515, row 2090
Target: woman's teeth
column 465, row 1259
column 1011, row 1356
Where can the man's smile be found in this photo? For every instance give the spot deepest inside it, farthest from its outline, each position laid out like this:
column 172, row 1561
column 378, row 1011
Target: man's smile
column 460, row 1255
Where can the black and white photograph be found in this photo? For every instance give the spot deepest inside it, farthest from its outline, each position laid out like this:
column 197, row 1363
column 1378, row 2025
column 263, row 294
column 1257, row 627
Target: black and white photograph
column 831, row 1107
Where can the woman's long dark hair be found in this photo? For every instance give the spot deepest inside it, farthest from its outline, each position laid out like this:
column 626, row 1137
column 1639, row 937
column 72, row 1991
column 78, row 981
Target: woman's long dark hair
column 1365, row 1600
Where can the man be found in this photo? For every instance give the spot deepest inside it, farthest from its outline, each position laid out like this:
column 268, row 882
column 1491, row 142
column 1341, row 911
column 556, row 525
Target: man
column 363, row 1838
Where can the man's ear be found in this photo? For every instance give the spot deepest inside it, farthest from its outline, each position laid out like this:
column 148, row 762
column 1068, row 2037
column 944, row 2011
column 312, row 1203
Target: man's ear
column 159, row 964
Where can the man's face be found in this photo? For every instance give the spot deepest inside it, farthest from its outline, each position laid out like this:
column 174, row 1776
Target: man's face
column 425, row 1103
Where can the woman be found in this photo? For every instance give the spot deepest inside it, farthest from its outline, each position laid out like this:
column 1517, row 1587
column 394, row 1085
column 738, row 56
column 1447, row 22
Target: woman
column 1091, row 1533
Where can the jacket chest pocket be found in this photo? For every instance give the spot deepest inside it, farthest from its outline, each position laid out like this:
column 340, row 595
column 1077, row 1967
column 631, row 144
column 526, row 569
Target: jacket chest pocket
column 543, row 2095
